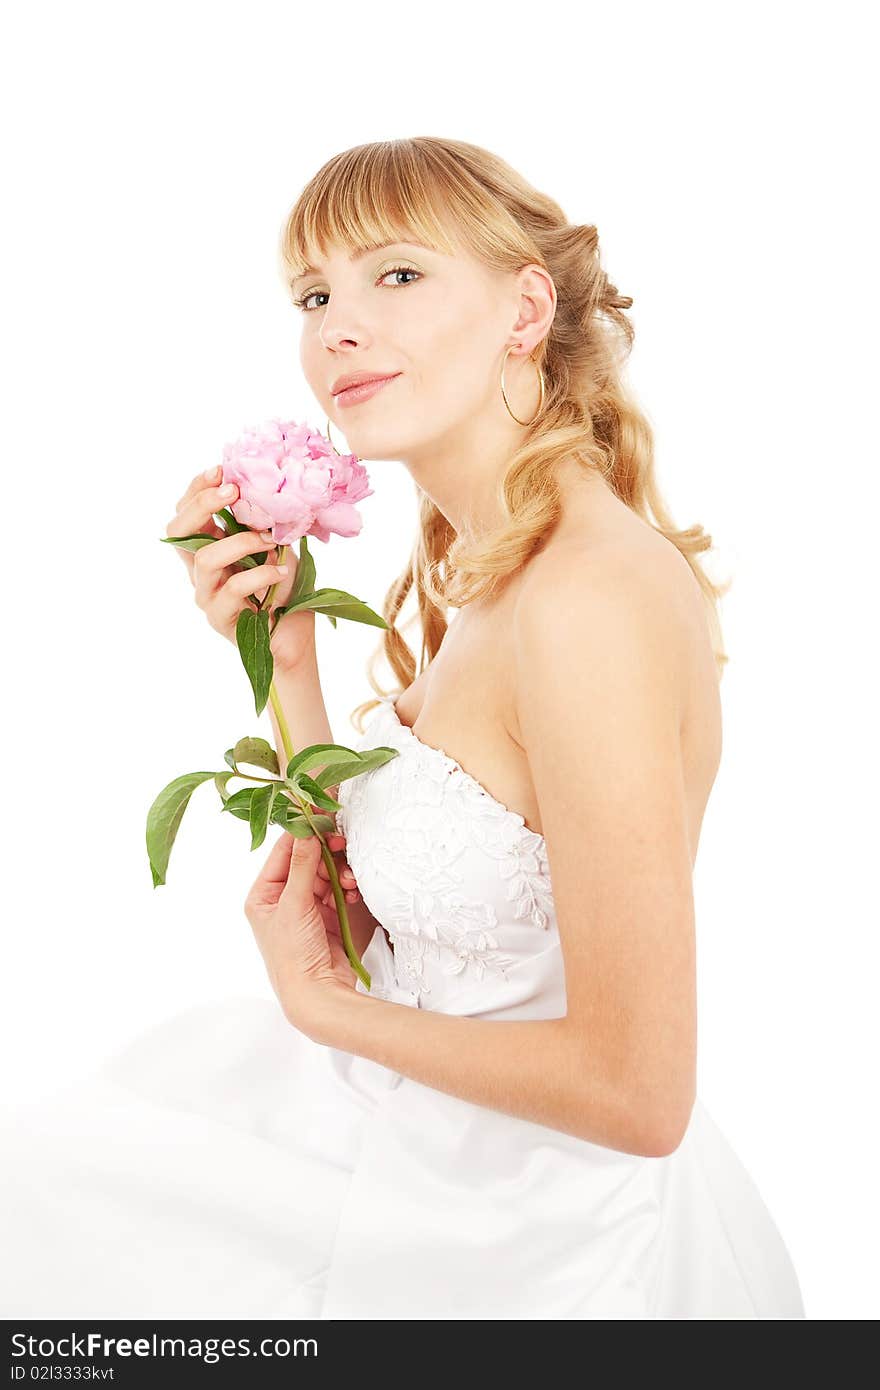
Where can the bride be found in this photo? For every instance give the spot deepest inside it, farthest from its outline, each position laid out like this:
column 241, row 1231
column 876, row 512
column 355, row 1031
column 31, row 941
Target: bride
column 506, row 1125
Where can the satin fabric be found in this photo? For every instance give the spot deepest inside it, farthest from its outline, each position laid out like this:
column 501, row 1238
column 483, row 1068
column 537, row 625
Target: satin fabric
column 224, row 1165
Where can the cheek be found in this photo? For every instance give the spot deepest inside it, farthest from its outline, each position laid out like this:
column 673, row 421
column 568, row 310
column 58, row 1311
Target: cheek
column 446, row 339
column 460, row 358
column 310, row 351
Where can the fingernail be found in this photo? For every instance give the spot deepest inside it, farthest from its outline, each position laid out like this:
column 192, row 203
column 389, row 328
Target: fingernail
column 212, row 472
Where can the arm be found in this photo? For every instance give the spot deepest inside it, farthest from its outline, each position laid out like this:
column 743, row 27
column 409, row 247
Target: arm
column 602, row 645
column 302, row 700
column 597, row 690
column 531, row 1070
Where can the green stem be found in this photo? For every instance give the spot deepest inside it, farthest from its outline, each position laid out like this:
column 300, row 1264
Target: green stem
column 286, row 740
column 338, row 896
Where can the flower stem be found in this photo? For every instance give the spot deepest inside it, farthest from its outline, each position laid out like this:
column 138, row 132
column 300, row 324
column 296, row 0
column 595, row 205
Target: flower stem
column 286, row 740
column 338, row 896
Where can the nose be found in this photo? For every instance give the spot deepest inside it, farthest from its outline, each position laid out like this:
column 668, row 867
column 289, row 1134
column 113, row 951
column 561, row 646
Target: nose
column 335, row 333
column 338, row 339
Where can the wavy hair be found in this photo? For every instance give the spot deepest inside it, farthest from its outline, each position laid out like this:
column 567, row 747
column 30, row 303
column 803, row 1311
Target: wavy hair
column 414, row 189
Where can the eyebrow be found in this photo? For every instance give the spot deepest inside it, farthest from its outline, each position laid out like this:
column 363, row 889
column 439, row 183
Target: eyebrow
column 359, row 255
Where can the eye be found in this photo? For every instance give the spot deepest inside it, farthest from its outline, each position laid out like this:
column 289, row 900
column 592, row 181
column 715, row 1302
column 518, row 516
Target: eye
column 400, row 270
column 395, row 270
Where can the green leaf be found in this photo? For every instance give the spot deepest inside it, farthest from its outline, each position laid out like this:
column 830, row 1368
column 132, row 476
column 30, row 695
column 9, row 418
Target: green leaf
column 305, row 574
column 336, row 604
column 232, row 524
column 339, row 762
column 252, row 637
column 221, row 782
column 249, row 562
column 303, row 584
column 376, row 757
column 285, row 814
column 335, row 773
column 315, row 753
column 313, row 793
column 367, row 761
column 239, row 803
column 164, row 817
column 260, row 810
column 193, row 542
column 199, row 538
column 254, row 752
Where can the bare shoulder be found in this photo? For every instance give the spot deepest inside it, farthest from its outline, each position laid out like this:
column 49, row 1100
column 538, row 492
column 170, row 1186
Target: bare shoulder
column 637, row 581
column 616, row 636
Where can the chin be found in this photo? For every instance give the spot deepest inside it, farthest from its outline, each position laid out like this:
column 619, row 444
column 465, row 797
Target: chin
column 368, row 443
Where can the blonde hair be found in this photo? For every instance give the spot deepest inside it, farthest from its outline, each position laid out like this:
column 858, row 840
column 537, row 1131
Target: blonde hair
column 413, row 189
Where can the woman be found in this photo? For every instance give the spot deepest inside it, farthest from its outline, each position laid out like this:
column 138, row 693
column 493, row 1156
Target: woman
column 524, row 860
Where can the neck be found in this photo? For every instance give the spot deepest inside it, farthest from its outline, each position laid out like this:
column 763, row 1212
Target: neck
column 461, row 471
column 462, row 475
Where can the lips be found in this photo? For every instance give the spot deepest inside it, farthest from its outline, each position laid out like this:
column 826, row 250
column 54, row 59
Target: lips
column 363, row 391
column 344, row 383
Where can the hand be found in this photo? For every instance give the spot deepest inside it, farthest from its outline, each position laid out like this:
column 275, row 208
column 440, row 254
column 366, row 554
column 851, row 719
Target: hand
column 323, row 886
column 361, row 922
column 305, row 962
column 222, row 589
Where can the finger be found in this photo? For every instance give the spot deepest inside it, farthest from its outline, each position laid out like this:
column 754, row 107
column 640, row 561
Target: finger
column 257, row 581
column 335, row 842
column 324, row 872
column 297, row 892
column 343, row 868
column 196, row 513
column 231, row 548
column 287, row 855
column 275, row 871
column 351, row 896
column 250, row 581
column 215, row 563
column 210, row 477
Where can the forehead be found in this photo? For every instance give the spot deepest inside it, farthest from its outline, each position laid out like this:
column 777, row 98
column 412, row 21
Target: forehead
column 359, row 253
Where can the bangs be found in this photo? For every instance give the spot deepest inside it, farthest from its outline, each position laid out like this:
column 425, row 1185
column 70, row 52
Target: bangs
column 363, row 198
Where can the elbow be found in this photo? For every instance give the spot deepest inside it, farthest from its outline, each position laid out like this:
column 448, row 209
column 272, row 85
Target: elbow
column 646, row 1109
column 661, row 1143
column 656, row 1130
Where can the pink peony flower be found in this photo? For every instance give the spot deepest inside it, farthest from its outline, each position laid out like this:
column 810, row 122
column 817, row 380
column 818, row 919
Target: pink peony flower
column 293, row 483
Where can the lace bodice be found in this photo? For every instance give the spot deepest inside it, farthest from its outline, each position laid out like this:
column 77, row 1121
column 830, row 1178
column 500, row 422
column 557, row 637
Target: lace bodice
column 459, row 881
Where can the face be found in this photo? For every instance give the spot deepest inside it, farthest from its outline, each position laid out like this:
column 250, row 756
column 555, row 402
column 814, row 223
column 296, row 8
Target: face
column 440, row 322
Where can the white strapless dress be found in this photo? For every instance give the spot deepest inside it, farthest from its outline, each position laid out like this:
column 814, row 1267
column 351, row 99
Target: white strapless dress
column 226, row 1166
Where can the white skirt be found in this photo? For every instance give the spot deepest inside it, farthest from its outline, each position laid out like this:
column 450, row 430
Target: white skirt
column 225, row 1166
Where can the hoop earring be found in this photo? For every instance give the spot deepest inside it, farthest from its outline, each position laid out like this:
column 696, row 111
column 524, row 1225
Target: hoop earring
column 504, row 393
column 331, row 441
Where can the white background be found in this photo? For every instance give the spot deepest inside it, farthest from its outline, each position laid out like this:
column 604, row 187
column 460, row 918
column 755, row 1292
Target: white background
column 723, row 152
